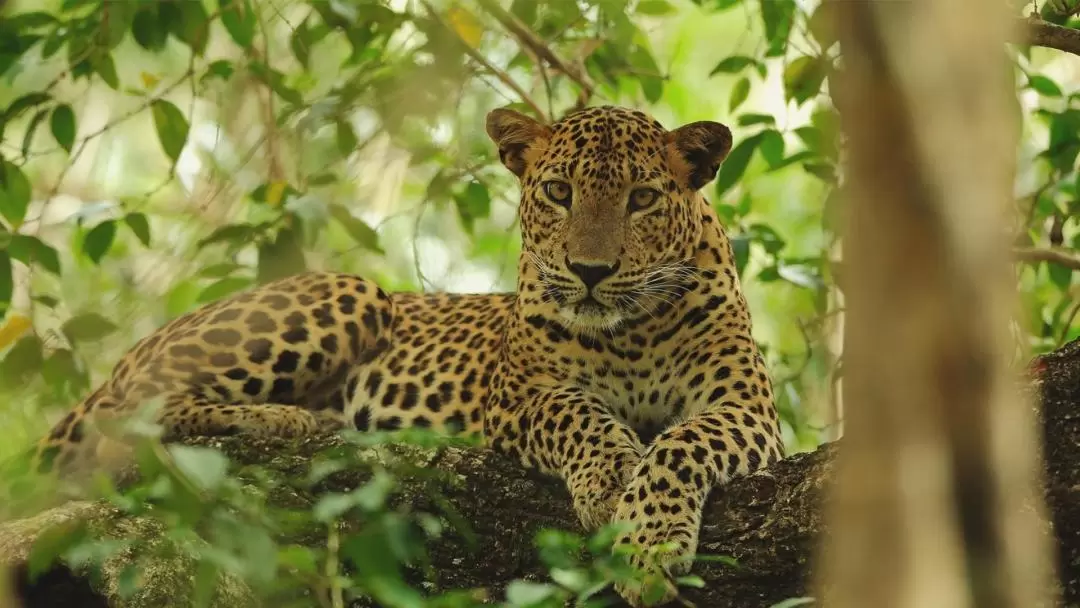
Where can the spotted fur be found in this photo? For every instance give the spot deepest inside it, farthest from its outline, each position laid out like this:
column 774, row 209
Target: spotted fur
column 624, row 363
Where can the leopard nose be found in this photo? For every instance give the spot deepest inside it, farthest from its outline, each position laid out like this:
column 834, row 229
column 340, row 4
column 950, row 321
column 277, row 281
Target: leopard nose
column 591, row 274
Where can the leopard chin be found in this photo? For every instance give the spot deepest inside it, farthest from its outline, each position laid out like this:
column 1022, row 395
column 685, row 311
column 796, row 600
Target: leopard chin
column 589, row 315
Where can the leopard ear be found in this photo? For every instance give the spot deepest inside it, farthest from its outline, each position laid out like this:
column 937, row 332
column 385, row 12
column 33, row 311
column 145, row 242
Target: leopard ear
column 514, row 133
column 697, row 150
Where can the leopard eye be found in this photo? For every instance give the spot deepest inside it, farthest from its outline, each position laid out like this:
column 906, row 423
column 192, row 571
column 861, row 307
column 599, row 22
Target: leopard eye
column 641, row 198
column 559, row 192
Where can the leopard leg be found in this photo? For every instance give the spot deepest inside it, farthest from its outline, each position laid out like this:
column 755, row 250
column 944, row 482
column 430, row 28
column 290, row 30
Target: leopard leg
column 664, row 499
column 572, row 434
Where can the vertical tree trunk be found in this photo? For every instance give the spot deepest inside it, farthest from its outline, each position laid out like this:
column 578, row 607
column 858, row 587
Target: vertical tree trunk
column 936, row 502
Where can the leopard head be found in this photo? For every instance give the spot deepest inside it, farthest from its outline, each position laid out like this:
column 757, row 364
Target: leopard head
column 610, row 207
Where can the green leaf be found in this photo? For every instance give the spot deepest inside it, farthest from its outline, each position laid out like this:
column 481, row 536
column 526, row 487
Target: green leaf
column 189, row 22
column 52, row 543
column 98, row 240
column 230, row 233
column 1044, row 86
column 346, row 138
column 14, row 193
column 777, row 16
column 357, row 229
column 1061, row 276
column 654, row 7
column 87, row 327
column 205, row 467
column 772, row 147
column 472, row 204
column 281, row 257
column 222, row 288
column 732, row 65
column 221, row 69
column 22, row 361
column 105, row 67
column 7, row 283
column 24, row 103
column 140, row 226
column 821, row 25
column 747, row 120
column 172, row 127
column 62, row 123
column 522, row 593
column 30, row 249
column 794, row 602
column 739, row 93
column 300, row 42
column 276, row 81
column 148, row 30
column 239, row 21
column 735, row 164
column 803, row 78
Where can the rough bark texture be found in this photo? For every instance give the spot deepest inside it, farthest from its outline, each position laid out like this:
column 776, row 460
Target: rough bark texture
column 770, row 522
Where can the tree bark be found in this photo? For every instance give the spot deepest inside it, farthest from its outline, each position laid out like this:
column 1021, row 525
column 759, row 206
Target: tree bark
column 770, row 522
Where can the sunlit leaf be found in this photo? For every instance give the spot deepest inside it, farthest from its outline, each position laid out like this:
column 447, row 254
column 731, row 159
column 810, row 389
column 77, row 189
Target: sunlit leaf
column 15, row 324
column 62, row 123
column 205, row 467
column 803, row 78
column 654, row 7
column 172, row 127
column 465, row 24
column 99, row 240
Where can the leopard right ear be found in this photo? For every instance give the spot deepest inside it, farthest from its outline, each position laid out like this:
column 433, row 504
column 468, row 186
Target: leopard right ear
column 514, row 134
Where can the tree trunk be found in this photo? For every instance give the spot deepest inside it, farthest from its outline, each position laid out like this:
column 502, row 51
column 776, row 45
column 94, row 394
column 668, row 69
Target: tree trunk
column 936, row 495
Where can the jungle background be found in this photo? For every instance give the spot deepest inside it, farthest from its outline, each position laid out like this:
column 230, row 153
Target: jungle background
column 159, row 155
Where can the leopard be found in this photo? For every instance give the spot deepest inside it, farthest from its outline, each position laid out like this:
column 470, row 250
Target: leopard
column 623, row 364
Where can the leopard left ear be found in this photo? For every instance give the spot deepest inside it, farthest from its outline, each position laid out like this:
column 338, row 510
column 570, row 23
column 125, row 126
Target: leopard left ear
column 697, row 150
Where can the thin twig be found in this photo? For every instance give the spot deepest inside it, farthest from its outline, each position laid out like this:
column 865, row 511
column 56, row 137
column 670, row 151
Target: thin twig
column 478, row 58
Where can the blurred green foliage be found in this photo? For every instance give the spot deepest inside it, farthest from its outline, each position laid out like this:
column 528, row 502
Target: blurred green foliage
column 159, row 155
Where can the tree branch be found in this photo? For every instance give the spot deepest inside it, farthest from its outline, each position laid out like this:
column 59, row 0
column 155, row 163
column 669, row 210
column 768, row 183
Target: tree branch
column 1046, row 34
column 1060, row 256
column 479, row 58
column 538, row 47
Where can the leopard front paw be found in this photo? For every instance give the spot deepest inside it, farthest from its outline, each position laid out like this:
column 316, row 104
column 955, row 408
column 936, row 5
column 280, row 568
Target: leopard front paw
column 662, row 541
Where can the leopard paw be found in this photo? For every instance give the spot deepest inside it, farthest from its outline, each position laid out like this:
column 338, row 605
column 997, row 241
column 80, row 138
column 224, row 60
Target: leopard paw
column 662, row 543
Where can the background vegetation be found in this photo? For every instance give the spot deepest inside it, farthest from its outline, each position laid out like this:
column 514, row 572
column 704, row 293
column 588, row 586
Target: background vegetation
column 159, row 155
